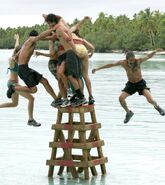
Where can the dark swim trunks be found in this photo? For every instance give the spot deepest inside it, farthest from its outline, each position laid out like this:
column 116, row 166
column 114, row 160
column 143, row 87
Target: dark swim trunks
column 61, row 58
column 73, row 64
column 28, row 75
column 132, row 88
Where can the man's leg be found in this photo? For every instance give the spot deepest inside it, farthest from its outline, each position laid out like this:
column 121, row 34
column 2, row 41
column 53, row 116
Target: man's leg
column 86, row 76
column 48, row 88
column 62, row 89
column 150, row 99
column 25, row 89
column 76, row 85
column 14, row 103
column 79, row 99
column 30, row 98
column 123, row 103
column 20, row 88
column 85, row 66
column 61, row 75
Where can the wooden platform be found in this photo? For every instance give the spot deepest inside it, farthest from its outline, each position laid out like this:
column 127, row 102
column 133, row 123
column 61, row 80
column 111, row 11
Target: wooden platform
column 76, row 163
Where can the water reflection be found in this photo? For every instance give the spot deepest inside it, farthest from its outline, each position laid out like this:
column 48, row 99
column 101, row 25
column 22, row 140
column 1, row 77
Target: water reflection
column 66, row 179
column 135, row 151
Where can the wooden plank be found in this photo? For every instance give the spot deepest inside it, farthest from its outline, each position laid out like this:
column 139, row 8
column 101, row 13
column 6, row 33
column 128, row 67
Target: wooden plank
column 70, row 144
column 80, row 109
column 75, row 126
column 82, row 164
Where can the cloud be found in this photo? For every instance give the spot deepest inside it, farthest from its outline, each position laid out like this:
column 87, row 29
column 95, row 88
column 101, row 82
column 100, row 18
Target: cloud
column 31, row 10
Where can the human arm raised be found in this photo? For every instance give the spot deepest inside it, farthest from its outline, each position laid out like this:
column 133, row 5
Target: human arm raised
column 16, row 46
column 150, row 55
column 79, row 24
column 118, row 63
column 42, row 35
column 16, row 37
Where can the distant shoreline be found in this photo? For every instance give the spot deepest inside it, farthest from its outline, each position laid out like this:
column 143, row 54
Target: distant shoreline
column 136, row 52
column 113, row 51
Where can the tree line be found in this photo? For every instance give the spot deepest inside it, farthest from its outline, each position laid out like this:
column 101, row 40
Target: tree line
column 145, row 31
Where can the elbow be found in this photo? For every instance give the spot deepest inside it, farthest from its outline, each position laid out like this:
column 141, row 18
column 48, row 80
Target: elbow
column 51, row 54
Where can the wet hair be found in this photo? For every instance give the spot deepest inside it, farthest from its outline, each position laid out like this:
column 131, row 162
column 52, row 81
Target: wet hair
column 52, row 18
column 33, row 33
column 130, row 54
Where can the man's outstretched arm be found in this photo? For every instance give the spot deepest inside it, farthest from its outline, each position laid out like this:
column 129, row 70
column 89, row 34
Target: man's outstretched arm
column 42, row 35
column 119, row 63
column 150, row 55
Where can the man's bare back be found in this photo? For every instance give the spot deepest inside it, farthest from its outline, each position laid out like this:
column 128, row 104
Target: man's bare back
column 29, row 45
column 26, row 52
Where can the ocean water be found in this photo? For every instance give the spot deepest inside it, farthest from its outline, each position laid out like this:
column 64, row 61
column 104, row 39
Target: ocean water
column 135, row 151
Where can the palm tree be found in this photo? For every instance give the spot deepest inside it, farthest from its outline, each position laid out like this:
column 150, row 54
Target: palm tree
column 148, row 24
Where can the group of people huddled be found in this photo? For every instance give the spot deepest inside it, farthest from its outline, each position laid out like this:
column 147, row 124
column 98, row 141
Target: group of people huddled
column 68, row 62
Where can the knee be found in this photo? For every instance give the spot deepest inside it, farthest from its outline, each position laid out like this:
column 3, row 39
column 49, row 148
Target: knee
column 85, row 76
column 44, row 81
column 33, row 89
column 60, row 73
column 14, row 104
column 121, row 98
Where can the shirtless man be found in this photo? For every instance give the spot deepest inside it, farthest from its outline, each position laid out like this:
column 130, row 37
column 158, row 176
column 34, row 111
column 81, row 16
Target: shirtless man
column 135, row 83
column 13, row 80
column 28, row 75
column 69, row 61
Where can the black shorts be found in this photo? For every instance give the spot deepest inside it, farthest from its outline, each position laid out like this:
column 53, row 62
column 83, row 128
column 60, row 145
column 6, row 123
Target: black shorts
column 132, row 88
column 73, row 65
column 61, row 58
column 28, row 75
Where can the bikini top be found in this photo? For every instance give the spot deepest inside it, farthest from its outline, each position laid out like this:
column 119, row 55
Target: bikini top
column 13, row 67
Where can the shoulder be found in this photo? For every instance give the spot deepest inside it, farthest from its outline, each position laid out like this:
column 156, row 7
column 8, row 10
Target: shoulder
column 139, row 60
column 58, row 27
column 122, row 62
column 29, row 40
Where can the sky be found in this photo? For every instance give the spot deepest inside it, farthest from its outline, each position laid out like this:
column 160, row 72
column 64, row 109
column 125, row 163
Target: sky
column 14, row 13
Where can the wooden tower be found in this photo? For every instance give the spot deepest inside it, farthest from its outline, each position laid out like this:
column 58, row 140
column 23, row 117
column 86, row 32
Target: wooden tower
column 87, row 140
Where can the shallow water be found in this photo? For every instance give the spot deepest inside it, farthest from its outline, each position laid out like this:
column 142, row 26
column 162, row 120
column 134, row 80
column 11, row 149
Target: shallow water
column 135, row 151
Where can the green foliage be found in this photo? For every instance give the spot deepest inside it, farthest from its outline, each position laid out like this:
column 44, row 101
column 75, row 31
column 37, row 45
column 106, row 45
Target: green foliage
column 145, row 31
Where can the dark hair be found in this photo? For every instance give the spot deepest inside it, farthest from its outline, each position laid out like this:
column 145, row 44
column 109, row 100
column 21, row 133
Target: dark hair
column 52, row 18
column 33, row 33
column 130, row 54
